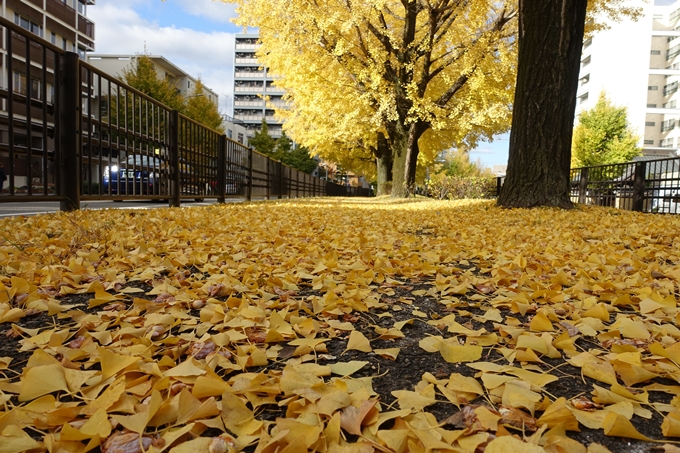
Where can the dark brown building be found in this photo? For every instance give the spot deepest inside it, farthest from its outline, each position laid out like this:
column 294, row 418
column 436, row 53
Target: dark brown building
column 65, row 25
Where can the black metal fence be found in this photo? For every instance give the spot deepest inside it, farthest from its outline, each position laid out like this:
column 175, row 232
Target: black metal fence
column 642, row 185
column 70, row 132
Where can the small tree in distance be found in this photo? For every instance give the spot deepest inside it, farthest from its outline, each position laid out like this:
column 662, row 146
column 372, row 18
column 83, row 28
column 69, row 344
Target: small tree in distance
column 200, row 108
column 603, row 136
column 142, row 75
column 262, row 141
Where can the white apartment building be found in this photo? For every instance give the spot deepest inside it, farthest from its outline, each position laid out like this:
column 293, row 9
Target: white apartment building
column 637, row 64
column 116, row 64
column 252, row 83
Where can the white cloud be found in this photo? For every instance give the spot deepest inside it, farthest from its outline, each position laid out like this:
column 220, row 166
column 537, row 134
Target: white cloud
column 120, row 29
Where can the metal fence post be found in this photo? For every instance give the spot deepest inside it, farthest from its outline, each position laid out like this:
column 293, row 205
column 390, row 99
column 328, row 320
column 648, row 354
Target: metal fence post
column 70, row 134
column 175, row 189
column 639, row 186
column 269, row 178
column 250, row 174
column 583, row 186
column 280, row 180
column 221, row 169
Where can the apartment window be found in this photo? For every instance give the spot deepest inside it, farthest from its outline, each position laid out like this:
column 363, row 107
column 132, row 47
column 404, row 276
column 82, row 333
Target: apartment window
column 240, row 138
column 229, row 133
column 19, row 85
column 28, row 24
column 650, row 123
column 81, row 8
column 63, row 43
column 652, row 88
column 651, row 106
column 669, row 105
column 53, row 38
column 666, row 143
column 583, row 98
column 81, row 54
column 585, row 62
column 655, row 52
column 672, row 52
column 587, row 43
column 649, row 142
column 667, row 125
column 670, row 88
column 188, row 83
column 585, row 79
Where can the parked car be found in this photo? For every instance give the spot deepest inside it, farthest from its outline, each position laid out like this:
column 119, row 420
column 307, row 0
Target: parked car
column 137, row 175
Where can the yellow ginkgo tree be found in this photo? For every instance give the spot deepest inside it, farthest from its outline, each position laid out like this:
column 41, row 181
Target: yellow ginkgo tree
column 355, row 70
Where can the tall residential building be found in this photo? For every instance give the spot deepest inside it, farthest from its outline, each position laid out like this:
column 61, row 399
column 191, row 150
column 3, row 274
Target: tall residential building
column 252, row 83
column 62, row 22
column 185, row 83
column 637, row 64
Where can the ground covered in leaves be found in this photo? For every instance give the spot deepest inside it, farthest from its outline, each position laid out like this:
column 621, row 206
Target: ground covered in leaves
column 340, row 325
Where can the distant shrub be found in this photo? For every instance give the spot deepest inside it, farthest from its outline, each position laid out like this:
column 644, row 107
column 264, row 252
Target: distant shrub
column 456, row 187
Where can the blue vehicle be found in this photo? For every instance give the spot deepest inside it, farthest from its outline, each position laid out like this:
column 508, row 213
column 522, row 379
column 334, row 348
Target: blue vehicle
column 137, row 175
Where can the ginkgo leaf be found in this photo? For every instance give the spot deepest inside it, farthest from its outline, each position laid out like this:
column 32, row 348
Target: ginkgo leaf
column 347, row 368
column 352, row 417
column 359, row 342
column 16, row 440
column 41, row 380
column 617, row 425
column 509, row 444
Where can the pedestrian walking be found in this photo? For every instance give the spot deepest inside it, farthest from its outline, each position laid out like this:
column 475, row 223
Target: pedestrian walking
column 3, row 177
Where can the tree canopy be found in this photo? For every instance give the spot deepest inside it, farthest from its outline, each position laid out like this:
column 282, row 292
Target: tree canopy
column 262, row 141
column 202, row 109
column 395, row 68
column 142, row 75
column 603, row 136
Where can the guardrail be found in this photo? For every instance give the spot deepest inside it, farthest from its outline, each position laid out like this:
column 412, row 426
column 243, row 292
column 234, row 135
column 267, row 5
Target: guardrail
column 644, row 185
column 71, row 133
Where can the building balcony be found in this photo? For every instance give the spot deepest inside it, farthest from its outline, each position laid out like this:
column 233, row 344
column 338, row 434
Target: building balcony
column 258, row 75
column 259, row 103
column 275, row 90
column 246, row 60
column 248, row 89
column 247, row 46
column 248, row 117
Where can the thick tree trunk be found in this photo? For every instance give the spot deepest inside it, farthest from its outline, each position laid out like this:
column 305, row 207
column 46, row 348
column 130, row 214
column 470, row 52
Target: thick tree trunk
column 384, row 165
column 399, row 145
column 550, row 43
column 405, row 158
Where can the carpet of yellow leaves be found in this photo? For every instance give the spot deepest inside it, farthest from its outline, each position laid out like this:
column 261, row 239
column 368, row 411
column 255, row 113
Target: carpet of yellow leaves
column 197, row 320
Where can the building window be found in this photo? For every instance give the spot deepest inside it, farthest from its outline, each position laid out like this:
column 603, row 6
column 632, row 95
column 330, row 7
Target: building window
column 53, row 38
column 229, row 133
column 240, row 138
column 585, row 79
column 672, row 52
column 19, row 86
column 670, row 88
column 667, row 125
column 587, row 43
column 650, row 123
column 655, row 52
column 649, row 142
column 651, row 106
column 583, row 98
column 666, row 143
column 63, row 43
column 81, row 8
column 585, row 62
column 188, row 83
column 669, row 105
column 28, row 25
column 81, row 54
column 652, row 88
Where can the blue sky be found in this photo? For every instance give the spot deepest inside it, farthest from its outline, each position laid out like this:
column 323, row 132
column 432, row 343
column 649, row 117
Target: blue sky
column 197, row 36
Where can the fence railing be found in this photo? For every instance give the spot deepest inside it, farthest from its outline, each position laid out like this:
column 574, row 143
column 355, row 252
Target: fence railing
column 69, row 132
column 643, row 186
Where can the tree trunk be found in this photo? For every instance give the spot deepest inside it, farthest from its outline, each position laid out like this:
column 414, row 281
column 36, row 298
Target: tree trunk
column 416, row 131
column 550, row 44
column 399, row 145
column 383, row 155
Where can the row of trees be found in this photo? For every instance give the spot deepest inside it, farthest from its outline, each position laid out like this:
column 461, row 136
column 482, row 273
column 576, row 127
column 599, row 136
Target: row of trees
column 142, row 75
column 399, row 80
